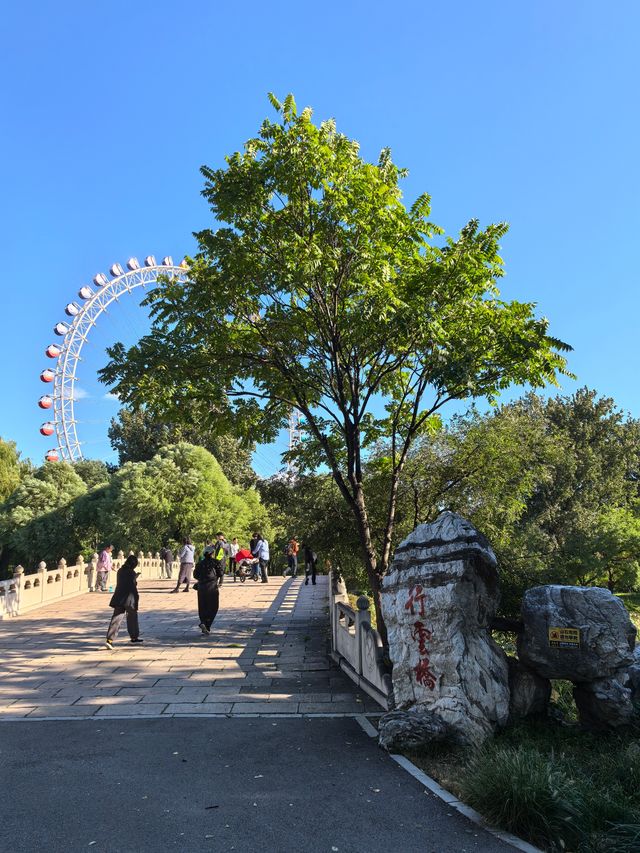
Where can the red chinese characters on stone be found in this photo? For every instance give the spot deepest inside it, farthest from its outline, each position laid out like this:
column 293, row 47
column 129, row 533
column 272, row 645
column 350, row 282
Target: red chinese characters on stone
column 416, row 597
column 420, row 634
column 424, row 675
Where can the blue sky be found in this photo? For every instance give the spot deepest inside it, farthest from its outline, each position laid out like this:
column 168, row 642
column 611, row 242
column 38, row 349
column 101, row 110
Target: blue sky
column 503, row 111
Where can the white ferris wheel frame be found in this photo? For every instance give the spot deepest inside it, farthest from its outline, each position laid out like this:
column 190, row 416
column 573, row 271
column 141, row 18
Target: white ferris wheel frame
column 74, row 339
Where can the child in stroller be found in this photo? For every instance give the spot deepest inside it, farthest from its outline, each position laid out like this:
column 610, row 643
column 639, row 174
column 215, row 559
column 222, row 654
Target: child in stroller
column 247, row 566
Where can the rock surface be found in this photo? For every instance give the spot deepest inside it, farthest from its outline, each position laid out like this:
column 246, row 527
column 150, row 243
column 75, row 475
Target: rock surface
column 438, row 599
column 603, row 704
column 530, row 692
column 606, row 633
column 632, row 676
column 410, row 729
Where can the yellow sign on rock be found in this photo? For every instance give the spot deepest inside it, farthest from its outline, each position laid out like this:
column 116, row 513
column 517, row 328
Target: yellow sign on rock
column 564, row 638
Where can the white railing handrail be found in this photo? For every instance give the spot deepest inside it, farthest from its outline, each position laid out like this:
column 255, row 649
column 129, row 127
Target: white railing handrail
column 355, row 645
column 24, row 592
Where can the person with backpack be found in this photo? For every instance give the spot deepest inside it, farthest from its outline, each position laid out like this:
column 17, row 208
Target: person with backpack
column 292, row 556
column 209, row 573
column 310, row 563
column 125, row 601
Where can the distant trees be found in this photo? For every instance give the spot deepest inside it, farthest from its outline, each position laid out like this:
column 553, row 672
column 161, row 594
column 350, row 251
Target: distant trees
column 181, row 491
column 92, row 471
column 37, row 519
column 10, row 468
column 552, row 483
column 137, row 436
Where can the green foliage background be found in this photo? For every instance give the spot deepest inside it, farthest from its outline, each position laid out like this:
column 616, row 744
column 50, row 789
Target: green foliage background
column 62, row 510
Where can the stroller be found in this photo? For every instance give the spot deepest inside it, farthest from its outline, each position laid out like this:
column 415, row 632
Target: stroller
column 247, row 566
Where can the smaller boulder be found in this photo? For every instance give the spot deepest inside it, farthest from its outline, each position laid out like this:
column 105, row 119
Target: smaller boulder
column 575, row 633
column 411, row 729
column 529, row 692
column 603, row 704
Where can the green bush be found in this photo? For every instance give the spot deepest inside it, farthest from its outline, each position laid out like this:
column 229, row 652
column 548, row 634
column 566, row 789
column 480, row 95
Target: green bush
column 622, row 838
column 523, row 791
column 562, row 699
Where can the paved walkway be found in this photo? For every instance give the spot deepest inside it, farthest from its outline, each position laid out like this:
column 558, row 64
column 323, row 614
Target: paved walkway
column 250, row 742
column 267, row 654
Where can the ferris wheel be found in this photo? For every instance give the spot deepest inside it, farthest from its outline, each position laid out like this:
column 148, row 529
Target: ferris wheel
column 74, row 333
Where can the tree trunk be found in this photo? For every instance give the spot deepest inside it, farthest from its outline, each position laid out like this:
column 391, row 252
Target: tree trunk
column 371, row 559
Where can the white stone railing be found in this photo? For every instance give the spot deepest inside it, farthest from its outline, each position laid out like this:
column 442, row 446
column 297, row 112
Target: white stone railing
column 23, row 592
column 355, row 646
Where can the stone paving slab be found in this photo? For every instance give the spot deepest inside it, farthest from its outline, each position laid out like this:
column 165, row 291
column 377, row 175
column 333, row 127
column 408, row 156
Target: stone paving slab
column 266, row 655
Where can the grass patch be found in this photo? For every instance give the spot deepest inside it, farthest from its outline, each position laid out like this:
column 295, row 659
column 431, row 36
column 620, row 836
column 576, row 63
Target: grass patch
column 555, row 785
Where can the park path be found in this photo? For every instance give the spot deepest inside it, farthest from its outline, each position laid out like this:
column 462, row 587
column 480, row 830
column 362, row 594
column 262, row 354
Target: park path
column 248, row 740
column 267, row 654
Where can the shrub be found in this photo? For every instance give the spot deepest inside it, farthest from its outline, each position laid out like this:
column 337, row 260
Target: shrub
column 524, row 791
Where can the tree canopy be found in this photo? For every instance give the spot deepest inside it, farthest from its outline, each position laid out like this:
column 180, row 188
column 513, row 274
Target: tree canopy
column 137, row 436
column 10, row 468
column 36, row 521
column 182, row 491
column 322, row 291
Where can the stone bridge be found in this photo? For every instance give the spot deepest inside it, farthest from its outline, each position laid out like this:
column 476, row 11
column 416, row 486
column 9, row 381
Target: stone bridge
column 250, row 739
column 267, row 654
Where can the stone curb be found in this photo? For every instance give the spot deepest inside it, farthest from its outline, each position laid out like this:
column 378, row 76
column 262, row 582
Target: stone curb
column 273, row 715
column 440, row 792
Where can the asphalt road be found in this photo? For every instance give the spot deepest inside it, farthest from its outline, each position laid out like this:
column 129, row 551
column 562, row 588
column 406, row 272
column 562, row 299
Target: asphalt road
column 144, row 786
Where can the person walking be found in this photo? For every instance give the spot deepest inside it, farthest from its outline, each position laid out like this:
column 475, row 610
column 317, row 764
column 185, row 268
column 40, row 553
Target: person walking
column 208, row 573
column 104, row 566
column 186, row 557
column 125, row 601
column 292, row 556
column 168, row 562
column 261, row 551
column 310, row 563
column 233, row 550
column 219, row 553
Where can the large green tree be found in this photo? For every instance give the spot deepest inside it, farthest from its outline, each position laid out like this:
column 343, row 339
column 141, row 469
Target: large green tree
column 36, row 521
column 10, row 468
column 552, row 483
column 322, row 291
column 93, row 472
column 181, row 492
column 137, row 436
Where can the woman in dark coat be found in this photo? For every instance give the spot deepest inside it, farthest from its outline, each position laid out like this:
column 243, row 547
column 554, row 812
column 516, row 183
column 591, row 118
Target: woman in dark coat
column 125, row 600
column 209, row 573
